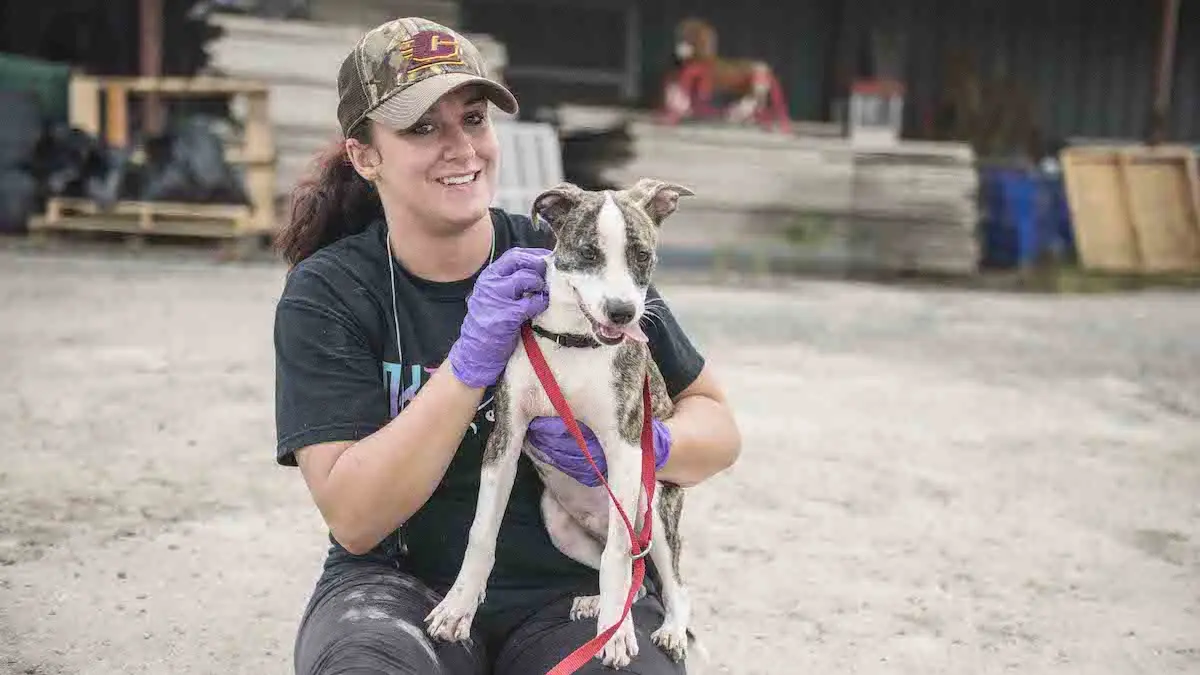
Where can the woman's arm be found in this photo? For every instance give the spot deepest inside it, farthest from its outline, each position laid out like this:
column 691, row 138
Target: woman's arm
column 704, row 436
column 329, row 395
column 366, row 489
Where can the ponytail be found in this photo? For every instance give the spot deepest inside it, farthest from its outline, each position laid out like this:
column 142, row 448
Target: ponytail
column 332, row 203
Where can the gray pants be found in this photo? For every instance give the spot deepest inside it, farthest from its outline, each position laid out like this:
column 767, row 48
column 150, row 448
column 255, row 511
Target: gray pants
column 368, row 618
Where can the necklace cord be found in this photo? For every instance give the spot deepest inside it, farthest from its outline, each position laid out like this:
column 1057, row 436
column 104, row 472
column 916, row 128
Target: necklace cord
column 392, row 279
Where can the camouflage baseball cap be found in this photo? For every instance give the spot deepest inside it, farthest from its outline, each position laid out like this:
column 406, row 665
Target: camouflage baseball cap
column 401, row 68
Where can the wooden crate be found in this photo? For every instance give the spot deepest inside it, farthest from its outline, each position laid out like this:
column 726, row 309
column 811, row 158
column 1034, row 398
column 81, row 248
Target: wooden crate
column 100, row 105
column 1134, row 208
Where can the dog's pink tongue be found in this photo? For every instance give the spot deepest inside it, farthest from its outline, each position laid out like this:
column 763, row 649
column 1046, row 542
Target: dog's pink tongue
column 634, row 332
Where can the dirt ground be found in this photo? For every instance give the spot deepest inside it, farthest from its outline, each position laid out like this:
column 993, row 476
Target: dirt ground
column 933, row 480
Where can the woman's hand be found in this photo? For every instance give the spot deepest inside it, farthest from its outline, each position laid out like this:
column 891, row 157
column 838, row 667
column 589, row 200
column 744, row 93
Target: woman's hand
column 556, row 446
column 509, row 292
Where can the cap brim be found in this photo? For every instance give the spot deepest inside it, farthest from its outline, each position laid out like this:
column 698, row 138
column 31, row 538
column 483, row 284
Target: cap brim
column 402, row 110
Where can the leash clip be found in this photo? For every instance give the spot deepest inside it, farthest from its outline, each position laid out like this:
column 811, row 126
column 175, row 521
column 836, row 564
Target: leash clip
column 646, row 551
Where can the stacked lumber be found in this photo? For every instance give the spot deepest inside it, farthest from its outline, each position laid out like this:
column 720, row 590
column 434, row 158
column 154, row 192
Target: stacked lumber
column 915, row 207
column 908, row 207
column 742, row 168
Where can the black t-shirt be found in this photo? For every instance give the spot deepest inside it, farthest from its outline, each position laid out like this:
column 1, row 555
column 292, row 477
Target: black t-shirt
column 339, row 378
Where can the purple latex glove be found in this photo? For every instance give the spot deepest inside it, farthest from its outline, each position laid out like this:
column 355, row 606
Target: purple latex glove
column 557, row 447
column 508, row 293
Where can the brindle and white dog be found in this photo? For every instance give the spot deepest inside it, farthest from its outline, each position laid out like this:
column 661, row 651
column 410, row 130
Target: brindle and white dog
column 597, row 278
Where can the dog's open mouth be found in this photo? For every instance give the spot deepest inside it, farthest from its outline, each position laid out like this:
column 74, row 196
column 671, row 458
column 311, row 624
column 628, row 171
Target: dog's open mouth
column 613, row 335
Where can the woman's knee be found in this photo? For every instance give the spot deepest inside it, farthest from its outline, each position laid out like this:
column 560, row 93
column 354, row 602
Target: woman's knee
column 373, row 623
column 372, row 646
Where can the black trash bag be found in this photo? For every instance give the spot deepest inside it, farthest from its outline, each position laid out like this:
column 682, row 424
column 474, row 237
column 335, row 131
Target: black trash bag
column 109, row 181
column 69, row 162
column 188, row 165
column 18, row 199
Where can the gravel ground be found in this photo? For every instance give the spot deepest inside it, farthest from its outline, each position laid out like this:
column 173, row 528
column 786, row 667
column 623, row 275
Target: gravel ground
column 933, row 481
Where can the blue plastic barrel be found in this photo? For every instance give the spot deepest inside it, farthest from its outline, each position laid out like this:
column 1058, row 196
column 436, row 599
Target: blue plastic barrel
column 1024, row 217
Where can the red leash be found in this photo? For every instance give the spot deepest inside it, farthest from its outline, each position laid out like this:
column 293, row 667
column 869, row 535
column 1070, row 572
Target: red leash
column 639, row 546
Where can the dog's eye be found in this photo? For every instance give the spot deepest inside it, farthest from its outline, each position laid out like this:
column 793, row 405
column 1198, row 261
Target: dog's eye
column 643, row 257
column 589, row 253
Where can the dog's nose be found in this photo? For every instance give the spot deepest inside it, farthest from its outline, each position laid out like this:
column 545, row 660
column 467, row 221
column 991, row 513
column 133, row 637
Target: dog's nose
column 619, row 312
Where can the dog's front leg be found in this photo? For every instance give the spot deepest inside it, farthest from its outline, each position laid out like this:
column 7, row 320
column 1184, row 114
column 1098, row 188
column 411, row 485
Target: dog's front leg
column 624, row 473
column 451, row 619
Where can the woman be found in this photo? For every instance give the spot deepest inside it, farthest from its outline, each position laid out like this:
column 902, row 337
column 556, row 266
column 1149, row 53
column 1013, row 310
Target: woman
column 402, row 305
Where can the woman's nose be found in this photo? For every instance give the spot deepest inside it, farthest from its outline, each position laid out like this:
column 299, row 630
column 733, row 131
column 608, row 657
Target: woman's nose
column 458, row 143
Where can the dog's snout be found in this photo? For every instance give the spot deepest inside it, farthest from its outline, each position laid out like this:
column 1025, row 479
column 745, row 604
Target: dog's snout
column 619, row 312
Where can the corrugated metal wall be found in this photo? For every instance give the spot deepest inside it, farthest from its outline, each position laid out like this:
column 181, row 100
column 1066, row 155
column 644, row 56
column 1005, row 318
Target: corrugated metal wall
column 1089, row 65
column 582, row 36
column 1185, row 116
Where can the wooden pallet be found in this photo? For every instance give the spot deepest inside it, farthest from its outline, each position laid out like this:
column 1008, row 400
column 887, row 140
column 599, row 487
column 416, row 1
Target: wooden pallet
column 1135, row 209
column 234, row 225
column 100, row 106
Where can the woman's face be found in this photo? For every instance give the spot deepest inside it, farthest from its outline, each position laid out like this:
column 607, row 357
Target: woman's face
column 441, row 172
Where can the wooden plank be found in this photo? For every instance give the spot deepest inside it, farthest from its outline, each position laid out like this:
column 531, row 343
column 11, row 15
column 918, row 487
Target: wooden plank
column 1193, row 180
column 1160, row 209
column 1103, row 233
column 202, row 85
column 164, row 209
column 259, row 143
column 116, row 113
column 83, row 104
column 1125, row 181
column 53, row 210
column 215, row 229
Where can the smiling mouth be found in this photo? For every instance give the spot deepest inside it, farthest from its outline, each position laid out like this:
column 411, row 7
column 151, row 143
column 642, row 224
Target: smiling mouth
column 456, row 181
column 604, row 334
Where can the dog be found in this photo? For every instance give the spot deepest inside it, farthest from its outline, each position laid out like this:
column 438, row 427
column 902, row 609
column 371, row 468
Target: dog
column 590, row 334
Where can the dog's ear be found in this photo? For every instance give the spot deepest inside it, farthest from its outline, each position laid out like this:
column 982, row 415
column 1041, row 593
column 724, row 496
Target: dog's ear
column 658, row 198
column 555, row 203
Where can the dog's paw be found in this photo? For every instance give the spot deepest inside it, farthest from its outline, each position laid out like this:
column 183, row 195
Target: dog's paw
column 588, row 606
column 451, row 620
column 622, row 647
column 585, row 607
column 672, row 639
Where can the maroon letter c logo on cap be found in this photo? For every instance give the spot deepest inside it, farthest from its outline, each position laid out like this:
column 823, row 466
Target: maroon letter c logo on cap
column 434, row 47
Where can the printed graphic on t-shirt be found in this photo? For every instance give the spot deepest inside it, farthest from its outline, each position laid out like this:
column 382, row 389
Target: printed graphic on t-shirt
column 403, row 381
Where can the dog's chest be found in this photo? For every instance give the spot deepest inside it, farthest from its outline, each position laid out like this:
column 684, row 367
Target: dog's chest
column 586, row 377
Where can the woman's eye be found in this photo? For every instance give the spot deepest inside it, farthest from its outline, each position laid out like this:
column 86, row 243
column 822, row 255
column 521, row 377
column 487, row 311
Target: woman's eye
column 476, row 118
column 421, row 129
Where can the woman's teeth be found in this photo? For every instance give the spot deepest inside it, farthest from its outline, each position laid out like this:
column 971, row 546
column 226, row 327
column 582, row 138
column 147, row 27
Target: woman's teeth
column 458, row 180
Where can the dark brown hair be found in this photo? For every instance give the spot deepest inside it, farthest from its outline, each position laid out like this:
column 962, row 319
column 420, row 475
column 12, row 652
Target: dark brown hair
column 331, row 203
